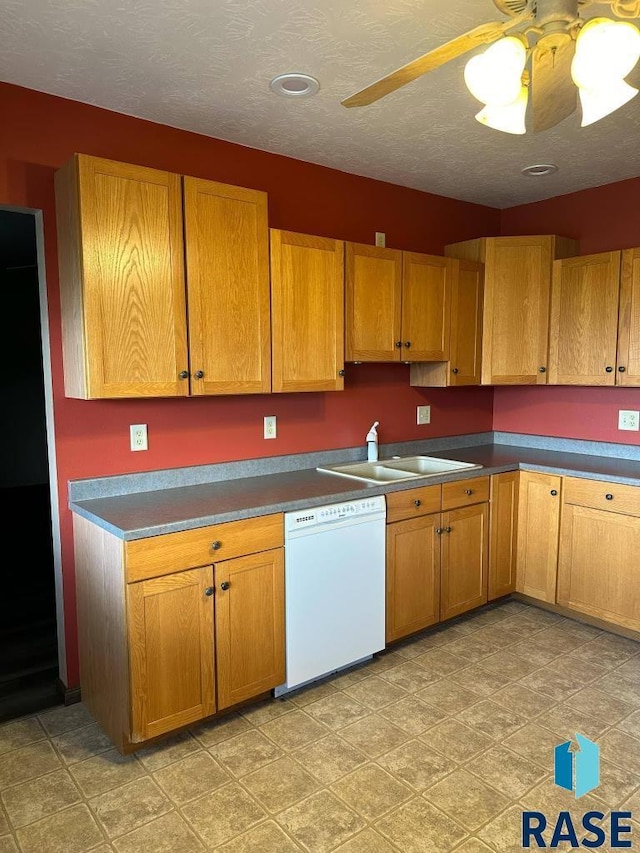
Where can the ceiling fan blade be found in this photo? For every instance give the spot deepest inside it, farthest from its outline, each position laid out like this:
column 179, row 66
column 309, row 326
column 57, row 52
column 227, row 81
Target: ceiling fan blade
column 554, row 95
column 484, row 34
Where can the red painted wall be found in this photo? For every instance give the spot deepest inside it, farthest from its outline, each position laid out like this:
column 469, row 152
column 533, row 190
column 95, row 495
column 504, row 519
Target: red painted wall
column 602, row 219
column 41, row 131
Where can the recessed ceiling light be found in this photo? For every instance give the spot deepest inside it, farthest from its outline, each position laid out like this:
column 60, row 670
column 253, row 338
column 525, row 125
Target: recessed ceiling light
column 294, row 85
column 540, row 170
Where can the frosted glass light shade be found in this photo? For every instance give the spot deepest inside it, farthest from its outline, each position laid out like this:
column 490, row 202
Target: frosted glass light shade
column 597, row 104
column 495, row 76
column 508, row 118
column 606, row 51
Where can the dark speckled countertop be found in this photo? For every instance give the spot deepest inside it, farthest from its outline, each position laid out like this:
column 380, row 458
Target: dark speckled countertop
column 166, row 510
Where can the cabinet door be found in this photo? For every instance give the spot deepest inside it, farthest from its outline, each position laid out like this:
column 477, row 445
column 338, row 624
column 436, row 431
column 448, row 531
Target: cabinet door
column 249, row 626
column 170, row 621
column 413, row 576
column 597, row 572
column 516, row 310
column 503, row 529
column 583, row 329
column 426, row 307
column 373, row 288
column 227, row 251
column 465, row 559
column 307, row 303
column 467, row 294
column 628, row 372
column 538, row 529
column 121, row 280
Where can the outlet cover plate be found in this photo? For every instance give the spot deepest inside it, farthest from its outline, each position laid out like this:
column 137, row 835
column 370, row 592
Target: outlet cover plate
column 270, row 430
column 629, row 420
column 423, row 414
column 138, row 437
column 381, row 239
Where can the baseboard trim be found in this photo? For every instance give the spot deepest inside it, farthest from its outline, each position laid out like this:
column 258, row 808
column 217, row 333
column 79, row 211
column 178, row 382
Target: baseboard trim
column 578, row 616
column 69, row 695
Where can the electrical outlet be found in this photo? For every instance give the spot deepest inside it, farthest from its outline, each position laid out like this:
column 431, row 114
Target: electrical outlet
column 628, row 419
column 381, row 239
column 424, row 414
column 270, row 426
column 138, row 436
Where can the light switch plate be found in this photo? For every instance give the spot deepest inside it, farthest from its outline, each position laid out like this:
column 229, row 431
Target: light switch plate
column 424, row 414
column 628, row 419
column 270, row 430
column 381, row 239
column 138, row 437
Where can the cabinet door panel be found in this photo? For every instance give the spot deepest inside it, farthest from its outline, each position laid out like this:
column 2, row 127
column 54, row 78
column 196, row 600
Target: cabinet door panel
column 250, row 626
column 465, row 558
column 171, row 651
column 135, row 338
column 538, row 530
column 466, row 323
column 503, row 530
column 628, row 372
column 413, row 576
column 373, row 289
column 516, row 310
column 584, row 320
column 307, row 293
column 426, row 307
column 597, row 571
column 227, row 241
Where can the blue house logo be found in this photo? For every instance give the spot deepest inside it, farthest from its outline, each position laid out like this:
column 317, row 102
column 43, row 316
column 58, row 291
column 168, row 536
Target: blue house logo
column 577, row 771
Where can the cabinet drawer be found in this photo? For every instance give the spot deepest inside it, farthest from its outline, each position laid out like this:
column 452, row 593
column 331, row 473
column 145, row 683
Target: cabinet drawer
column 159, row 555
column 413, row 503
column 465, row 492
column 599, row 494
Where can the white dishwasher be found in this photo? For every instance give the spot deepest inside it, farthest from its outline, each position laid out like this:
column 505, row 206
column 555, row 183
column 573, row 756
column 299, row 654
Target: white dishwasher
column 334, row 587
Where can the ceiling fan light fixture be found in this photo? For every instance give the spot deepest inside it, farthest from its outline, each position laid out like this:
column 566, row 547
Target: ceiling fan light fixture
column 294, row 85
column 597, row 104
column 495, row 76
column 509, row 118
column 606, row 51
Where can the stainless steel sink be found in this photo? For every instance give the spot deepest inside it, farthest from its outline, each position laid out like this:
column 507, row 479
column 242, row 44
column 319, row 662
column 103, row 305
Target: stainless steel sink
column 399, row 470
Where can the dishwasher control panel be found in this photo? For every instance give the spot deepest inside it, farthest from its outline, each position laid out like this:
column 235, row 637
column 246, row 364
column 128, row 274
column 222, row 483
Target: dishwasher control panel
column 333, row 512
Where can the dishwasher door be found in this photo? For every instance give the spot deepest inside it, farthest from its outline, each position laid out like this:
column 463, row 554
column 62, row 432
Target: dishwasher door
column 335, row 597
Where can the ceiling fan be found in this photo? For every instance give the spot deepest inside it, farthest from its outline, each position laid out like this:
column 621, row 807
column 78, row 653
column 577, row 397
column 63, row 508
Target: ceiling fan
column 537, row 63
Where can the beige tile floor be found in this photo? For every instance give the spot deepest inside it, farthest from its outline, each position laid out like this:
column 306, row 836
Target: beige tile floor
column 434, row 746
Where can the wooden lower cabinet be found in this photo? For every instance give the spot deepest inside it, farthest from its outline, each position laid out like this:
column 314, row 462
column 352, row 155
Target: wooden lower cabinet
column 465, row 559
column 597, row 568
column 249, row 631
column 170, row 621
column 413, row 575
column 503, row 532
column 538, row 530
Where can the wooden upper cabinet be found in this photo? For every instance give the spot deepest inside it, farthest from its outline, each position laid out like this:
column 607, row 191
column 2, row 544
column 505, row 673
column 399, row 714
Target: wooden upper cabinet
column 583, row 328
column 122, row 286
column 628, row 366
column 426, row 307
column 465, row 359
column 227, row 259
column 516, row 304
column 373, row 303
column 307, row 304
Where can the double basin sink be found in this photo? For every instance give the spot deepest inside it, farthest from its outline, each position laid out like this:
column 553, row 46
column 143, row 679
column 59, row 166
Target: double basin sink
column 399, row 469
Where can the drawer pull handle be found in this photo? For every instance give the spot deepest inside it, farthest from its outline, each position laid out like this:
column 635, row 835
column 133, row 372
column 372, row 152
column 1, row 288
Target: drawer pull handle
column 609, row 369
column 418, row 502
column 341, row 373
column 225, row 585
column 455, row 370
column 542, row 369
column 439, row 531
column 398, row 344
column 184, row 374
column 554, row 492
column 468, row 491
column 609, row 496
column 208, row 590
column 199, row 374
column 407, row 344
column 216, row 545
column 622, row 368
column 447, row 530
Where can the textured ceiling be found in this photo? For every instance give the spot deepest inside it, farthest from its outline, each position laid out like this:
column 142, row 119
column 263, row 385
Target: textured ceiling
column 205, row 66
